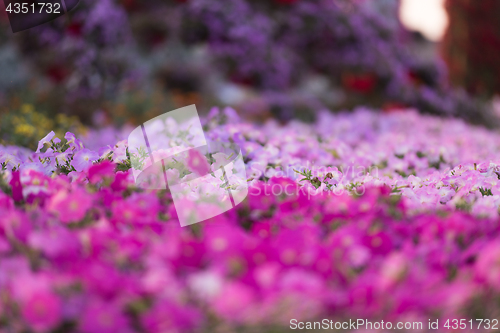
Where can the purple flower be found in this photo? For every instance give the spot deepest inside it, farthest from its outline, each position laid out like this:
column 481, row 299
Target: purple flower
column 45, row 140
column 83, row 159
column 73, row 142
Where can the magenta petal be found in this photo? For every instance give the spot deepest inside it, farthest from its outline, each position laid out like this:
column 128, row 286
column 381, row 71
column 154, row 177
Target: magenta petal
column 17, row 188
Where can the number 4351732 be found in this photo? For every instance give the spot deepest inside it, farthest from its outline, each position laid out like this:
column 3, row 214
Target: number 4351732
column 462, row 324
column 41, row 7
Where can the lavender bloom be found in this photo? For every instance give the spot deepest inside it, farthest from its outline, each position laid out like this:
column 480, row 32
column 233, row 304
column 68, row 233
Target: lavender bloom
column 45, row 140
column 83, row 159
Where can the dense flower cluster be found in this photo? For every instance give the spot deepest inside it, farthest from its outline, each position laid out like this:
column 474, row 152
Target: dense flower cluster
column 433, row 164
column 271, row 44
column 84, row 250
column 357, row 47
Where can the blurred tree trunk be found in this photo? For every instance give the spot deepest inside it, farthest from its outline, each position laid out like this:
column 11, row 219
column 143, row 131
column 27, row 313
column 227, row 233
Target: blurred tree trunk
column 471, row 46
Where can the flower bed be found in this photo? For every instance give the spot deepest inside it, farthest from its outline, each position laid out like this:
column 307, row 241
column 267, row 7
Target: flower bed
column 378, row 216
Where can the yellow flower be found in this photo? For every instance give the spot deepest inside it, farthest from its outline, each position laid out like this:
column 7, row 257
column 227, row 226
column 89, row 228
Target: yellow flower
column 25, row 129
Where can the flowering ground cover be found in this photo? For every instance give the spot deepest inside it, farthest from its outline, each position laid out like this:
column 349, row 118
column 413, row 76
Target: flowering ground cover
column 388, row 217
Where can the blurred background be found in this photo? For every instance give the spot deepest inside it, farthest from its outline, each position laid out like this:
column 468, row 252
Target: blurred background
column 121, row 62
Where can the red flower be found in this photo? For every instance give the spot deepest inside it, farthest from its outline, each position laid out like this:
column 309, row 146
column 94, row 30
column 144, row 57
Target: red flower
column 391, row 107
column 414, row 77
column 74, row 29
column 57, row 73
column 363, row 83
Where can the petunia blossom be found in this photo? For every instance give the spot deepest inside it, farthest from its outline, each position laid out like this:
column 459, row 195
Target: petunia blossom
column 83, row 159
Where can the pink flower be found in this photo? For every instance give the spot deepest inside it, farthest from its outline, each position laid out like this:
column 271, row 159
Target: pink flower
column 260, row 196
column 224, row 239
column 120, row 182
column 17, row 188
column 234, row 302
column 169, row 317
column 138, row 208
column 102, row 170
column 55, row 243
column 35, row 186
column 123, row 212
column 70, row 206
column 393, row 269
column 301, row 281
column 15, row 224
column 488, row 264
column 83, row 159
column 101, row 317
column 206, row 284
column 42, row 311
column 379, row 243
column 197, row 163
